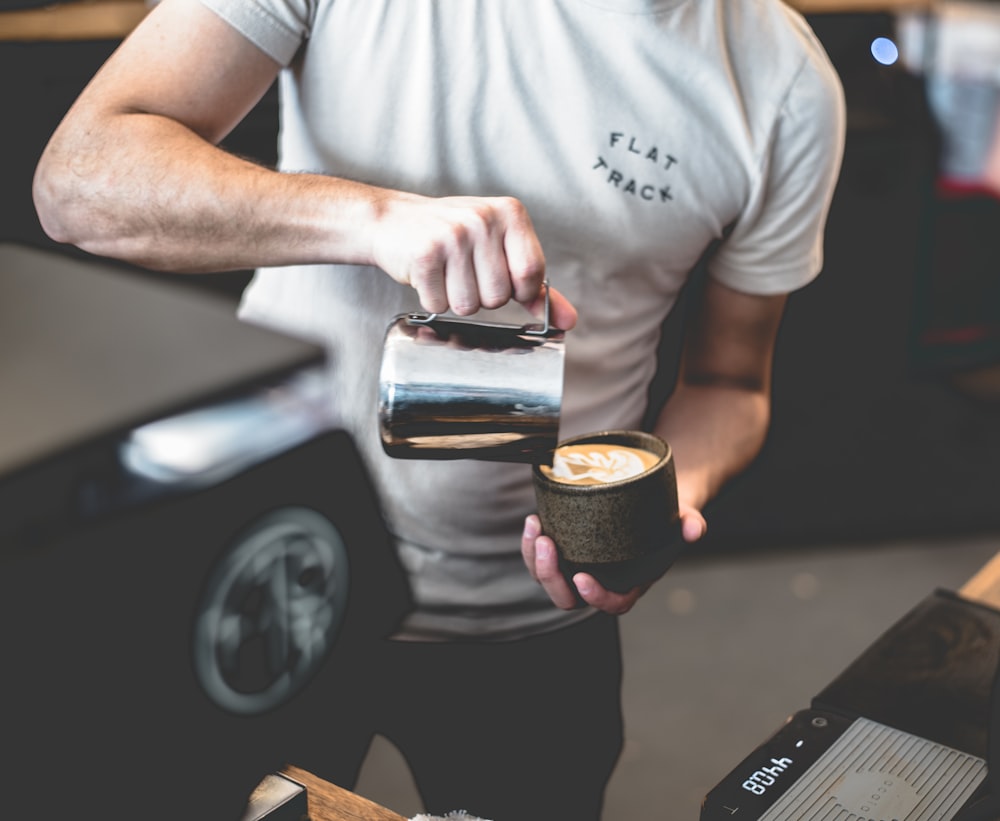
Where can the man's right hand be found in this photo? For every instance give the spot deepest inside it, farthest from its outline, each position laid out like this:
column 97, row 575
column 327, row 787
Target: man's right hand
column 464, row 253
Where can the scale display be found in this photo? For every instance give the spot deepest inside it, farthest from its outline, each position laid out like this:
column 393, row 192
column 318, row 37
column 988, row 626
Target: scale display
column 822, row 765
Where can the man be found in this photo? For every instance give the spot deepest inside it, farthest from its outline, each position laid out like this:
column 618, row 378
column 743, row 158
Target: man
column 452, row 154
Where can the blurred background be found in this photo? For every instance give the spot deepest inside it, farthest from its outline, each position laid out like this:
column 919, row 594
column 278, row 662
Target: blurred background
column 879, row 480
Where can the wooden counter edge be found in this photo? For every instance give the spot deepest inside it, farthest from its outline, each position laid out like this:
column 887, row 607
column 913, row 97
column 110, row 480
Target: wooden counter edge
column 860, row 6
column 80, row 20
column 114, row 19
column 328, row 802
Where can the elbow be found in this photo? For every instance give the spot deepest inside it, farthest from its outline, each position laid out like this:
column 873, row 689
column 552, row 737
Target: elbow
column 85, row 207
column 55, row 206
column 71, row 203
column 80, row 198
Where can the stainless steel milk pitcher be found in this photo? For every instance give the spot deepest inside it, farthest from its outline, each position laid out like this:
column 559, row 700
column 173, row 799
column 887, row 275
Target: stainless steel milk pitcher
column 452, row 388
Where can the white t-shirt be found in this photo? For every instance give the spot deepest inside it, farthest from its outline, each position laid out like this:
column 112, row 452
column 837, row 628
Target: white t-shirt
column 636, row 132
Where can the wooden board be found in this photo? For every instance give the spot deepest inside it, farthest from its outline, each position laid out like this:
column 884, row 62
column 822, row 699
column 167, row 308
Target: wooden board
column 984, row 587
column 328, row 802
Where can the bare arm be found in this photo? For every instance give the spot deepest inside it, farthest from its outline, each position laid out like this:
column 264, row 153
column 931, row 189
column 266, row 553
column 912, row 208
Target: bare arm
column 715, row 421
column 134, row 172
column 717, row 417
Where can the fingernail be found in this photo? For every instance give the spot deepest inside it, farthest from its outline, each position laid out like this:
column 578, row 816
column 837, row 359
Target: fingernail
column 585, row 587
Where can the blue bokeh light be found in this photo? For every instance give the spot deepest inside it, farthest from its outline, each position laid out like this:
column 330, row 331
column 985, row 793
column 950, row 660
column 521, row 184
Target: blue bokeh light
column 884, row 51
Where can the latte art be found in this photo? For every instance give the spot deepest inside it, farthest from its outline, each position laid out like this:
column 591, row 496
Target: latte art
column 598, row 463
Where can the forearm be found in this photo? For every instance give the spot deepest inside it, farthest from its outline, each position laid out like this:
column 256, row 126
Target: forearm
column 152, row 192
column 149, row 190
column 715, row 432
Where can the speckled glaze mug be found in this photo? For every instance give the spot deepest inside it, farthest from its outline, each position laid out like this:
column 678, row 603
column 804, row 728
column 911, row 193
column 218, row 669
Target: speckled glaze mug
column 609, row 502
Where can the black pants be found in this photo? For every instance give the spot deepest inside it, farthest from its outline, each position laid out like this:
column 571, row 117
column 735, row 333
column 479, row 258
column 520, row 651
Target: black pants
column 511, row 731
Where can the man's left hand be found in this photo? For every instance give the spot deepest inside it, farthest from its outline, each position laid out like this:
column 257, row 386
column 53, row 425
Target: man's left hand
column 542, row 559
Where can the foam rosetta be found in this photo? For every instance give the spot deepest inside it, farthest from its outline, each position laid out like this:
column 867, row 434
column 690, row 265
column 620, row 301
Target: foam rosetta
column 598, row 463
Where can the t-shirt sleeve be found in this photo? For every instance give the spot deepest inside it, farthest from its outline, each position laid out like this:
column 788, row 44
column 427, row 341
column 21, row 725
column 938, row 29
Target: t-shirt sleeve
column 277, row 27
column 776, row 245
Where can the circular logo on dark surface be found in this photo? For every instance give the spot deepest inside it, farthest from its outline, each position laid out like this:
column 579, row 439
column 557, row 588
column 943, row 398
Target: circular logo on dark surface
column 271, row 611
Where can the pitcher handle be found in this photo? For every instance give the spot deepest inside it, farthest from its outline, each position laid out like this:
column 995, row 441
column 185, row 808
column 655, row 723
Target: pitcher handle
column 528, row 330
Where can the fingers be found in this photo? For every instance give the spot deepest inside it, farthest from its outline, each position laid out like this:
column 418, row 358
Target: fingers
column 506, row 256
column 466, row 253
column 541, row 558
column 693, row 527
column 562, row 314
column 617, row 604
column 523, row 253
column 693, row 524
column 539, row 553
column 476, row 270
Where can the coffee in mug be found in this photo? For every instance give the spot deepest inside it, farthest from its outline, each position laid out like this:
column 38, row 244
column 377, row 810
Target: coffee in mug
column 596, row 463
column 609, row 502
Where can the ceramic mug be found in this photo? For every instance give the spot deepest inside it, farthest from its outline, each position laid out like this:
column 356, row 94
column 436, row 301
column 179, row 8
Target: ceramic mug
column 609, row 502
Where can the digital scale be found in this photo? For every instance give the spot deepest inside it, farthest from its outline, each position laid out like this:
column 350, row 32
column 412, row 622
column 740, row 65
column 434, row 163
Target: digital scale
column 906, row 733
